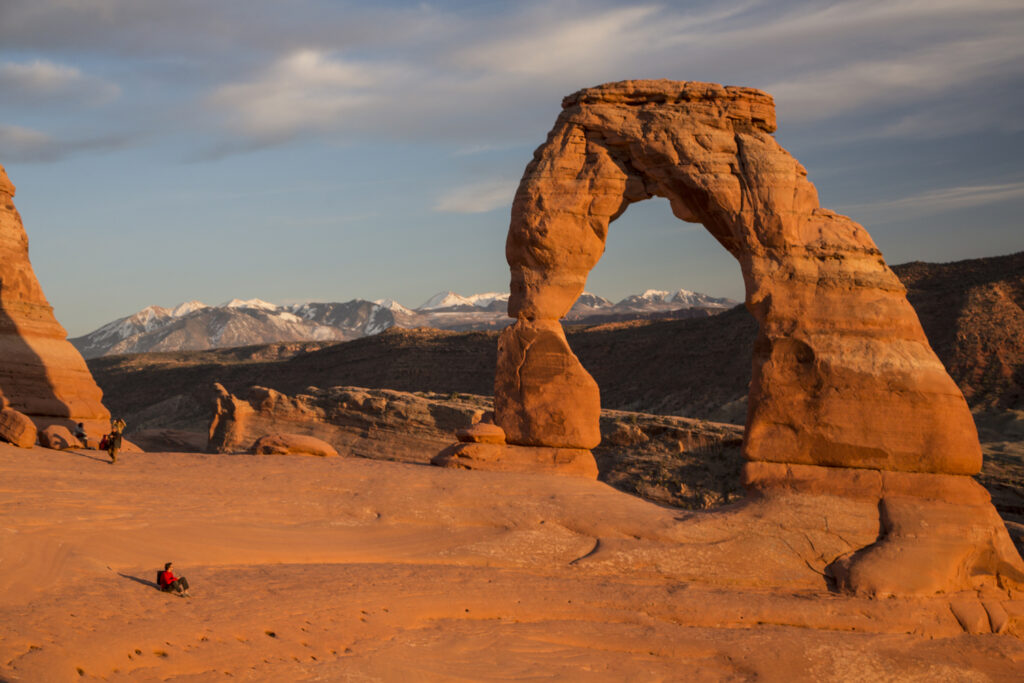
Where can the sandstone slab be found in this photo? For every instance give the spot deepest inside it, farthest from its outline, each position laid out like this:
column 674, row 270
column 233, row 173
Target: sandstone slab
column 293, row 444
column 576, row 462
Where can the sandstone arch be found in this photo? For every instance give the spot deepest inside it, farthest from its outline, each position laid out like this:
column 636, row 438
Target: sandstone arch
column 847, row 398
column 843, row 374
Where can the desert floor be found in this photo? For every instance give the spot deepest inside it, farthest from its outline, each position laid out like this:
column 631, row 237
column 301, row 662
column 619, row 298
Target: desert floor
column 350, row 569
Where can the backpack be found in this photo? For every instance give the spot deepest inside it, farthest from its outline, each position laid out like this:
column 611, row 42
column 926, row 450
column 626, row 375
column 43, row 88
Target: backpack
column 104, row 442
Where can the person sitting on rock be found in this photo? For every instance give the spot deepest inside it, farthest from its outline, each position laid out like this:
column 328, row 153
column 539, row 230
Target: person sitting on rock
column 81, row 435
column 169, row 583
column 114, row 438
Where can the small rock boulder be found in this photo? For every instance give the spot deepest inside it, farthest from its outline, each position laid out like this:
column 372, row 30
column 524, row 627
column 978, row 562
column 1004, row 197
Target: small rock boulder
column 481, row 432
column 293, row 444
column 58, row 437
column 17, row 428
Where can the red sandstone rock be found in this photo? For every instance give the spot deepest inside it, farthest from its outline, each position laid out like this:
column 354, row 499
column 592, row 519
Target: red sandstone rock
column 293, row 444
column 575, row 462
column 58, row 437
column 41, row 373
column 481, row 432
column 16, row 428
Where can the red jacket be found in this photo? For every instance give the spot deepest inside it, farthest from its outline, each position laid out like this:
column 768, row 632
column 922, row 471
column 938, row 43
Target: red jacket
column 166, row 578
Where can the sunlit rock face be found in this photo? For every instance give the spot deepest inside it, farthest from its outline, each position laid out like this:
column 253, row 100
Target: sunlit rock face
column 843, row 374
column 41, row 373
column 847, row 399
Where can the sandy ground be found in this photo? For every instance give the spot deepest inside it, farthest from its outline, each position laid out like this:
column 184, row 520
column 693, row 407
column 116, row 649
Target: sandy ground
column 347, row 569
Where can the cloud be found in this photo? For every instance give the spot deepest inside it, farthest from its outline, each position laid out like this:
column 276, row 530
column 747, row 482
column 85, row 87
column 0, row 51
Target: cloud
column 922, row 72
column 44, row 80
column 590, row 38
column 492, row 77
column 937, row 201
column 479, row 197
column 26, row 145
column 305, row 91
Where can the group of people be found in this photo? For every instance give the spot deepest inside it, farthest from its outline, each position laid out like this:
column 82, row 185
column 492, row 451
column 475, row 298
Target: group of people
column 111, row 441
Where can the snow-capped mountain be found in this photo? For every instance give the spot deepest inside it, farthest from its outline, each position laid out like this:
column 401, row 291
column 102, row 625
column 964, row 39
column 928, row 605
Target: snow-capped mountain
column 451, row 301
column 196, row 326
column 258, row 304
column 682, row 298
column 241, row 322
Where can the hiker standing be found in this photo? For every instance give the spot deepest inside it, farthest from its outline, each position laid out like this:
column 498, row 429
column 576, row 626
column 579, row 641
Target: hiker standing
column 114, row 438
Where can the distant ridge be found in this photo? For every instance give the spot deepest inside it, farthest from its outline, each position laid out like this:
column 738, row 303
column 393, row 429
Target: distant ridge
column 972, row 312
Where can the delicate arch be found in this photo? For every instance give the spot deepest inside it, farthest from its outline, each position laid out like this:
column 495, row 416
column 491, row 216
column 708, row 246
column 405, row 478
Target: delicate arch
column 843, row 375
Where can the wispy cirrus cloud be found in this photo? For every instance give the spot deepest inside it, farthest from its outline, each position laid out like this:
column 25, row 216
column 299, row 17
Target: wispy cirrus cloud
column 938, row 200
column 27, row 145
column 40, row 80
column 478, row 197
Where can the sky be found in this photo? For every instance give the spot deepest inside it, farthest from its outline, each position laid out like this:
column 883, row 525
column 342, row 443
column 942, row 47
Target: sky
column 323, row 150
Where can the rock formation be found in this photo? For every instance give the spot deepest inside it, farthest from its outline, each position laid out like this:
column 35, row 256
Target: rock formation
column 672, row 460
column 41, row 373
column 847, row 398
column 377, row 423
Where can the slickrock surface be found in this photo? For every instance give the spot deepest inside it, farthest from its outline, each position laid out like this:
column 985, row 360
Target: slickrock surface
column 573, row 462
column 41, row 373
column 352, row 569
column 843, row 376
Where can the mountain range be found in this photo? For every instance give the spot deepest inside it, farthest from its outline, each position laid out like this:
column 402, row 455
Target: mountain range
column 194, row 326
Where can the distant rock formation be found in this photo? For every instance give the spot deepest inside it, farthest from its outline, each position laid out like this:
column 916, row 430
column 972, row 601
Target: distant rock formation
column 678, row 461
column 41, row 373
column 374, row 423
column 845, row 388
